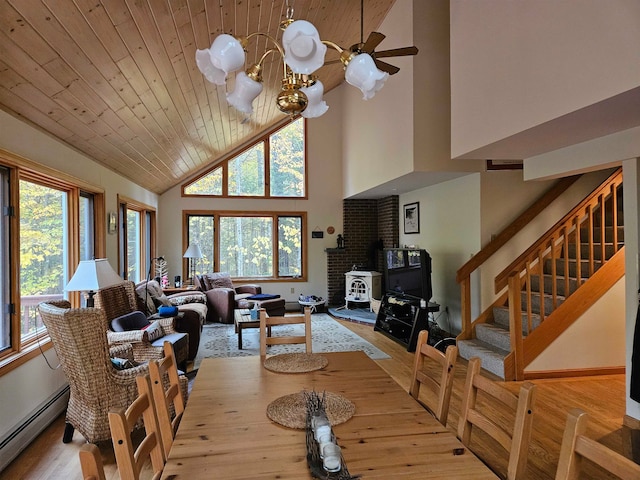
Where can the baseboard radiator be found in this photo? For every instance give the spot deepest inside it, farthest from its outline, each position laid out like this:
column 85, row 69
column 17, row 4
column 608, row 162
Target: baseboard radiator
column 32, row 426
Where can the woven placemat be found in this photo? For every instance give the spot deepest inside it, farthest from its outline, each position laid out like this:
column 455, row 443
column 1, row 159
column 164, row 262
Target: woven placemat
column 291, row 410
column 295, row 362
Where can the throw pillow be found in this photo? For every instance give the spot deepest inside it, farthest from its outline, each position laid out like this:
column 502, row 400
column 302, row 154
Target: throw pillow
column 190, row 298
column 130, row 321
column 162, row 300
column 154, row 331
column 218, row 280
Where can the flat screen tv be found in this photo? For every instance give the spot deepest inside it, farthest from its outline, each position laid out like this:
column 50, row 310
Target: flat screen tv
column 408, row 271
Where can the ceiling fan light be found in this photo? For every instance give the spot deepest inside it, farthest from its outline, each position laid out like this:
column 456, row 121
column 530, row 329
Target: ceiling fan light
column 245, row 92
column 211, row 73
column 303, row 50
column 227, row 53
column 316, row 106
column 361, row 72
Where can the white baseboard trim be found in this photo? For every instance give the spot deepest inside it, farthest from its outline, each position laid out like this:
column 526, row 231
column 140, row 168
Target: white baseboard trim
column 32, row 426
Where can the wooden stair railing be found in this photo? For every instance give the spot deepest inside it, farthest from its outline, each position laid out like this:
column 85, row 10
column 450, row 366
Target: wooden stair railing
column 588, row 233
column 463, row 275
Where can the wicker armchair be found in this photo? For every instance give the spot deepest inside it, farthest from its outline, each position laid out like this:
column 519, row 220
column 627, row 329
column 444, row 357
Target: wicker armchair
column 80, row 341
column 119, row 300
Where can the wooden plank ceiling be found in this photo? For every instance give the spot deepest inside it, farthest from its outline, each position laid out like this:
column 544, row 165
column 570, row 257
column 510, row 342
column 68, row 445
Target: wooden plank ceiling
column 117, row 79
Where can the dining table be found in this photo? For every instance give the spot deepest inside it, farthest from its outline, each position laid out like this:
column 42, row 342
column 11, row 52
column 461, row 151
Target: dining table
column 225, row 432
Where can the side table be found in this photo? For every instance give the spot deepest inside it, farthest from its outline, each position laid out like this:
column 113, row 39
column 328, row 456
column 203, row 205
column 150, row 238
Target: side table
column 242, row 319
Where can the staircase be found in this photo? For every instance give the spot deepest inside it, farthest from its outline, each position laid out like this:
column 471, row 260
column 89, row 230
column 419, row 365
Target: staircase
column 576, row 261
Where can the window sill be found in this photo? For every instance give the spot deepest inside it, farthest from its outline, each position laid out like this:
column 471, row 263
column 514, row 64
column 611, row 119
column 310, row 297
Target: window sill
column 14, row 360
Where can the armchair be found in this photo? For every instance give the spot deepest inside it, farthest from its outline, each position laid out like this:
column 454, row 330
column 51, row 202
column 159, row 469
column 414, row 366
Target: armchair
column 119, row 304
column 222, row 296
column 80, row 341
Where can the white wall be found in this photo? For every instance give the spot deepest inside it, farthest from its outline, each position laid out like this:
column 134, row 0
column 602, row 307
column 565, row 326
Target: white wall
column 516, row 65
column 323, row 206
column 596, row 341
column 25, row 388
column 450, row 232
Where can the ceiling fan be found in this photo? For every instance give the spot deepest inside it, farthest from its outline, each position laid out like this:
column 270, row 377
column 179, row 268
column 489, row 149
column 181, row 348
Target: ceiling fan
column 373, row 40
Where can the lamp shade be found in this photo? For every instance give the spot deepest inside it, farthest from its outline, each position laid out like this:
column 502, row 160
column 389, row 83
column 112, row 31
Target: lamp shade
column 316, row 106
column 362, row 72
column 211, row 73
column 193, row 251
column 93, row 275
column 245, row 92
column 303, row 50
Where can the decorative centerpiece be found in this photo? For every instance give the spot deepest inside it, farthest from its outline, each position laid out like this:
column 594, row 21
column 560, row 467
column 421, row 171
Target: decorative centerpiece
column 324, row 455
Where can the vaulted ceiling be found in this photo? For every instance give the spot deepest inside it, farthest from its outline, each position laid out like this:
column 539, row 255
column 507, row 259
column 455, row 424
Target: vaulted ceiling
column 117, row 79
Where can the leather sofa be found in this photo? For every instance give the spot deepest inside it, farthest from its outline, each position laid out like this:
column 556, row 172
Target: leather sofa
column 222, row 296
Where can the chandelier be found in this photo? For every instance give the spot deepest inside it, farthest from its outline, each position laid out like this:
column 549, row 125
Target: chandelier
column 302, row 53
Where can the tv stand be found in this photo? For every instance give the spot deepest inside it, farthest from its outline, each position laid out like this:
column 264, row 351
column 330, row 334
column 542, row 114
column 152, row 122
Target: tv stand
column 401, row 318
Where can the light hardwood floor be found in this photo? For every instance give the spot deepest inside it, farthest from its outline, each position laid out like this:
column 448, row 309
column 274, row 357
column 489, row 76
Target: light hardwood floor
column 603, row 397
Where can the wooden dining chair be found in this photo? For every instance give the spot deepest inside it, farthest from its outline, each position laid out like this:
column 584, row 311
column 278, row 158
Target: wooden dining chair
column 442, row 384
column 91, row 462
column 267, row 322
column 167, row 396
column 515, row 440
column 122, row 421
column 576, row 446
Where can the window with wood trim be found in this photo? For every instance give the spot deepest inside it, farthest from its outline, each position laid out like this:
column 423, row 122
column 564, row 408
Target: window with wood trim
column 136, row 241
column 274, row 166
column 48, row 225
column 250, row 245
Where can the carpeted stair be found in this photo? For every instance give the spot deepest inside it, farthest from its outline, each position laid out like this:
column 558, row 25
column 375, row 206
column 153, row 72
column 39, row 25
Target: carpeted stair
column 492, row 343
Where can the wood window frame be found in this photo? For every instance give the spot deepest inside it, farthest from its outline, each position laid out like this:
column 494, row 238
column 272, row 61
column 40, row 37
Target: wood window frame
column 224, row 161
column 216, row 214
column 20, row 168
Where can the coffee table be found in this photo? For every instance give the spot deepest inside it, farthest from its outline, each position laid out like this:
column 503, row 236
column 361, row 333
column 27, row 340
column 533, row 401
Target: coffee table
column 242, row 319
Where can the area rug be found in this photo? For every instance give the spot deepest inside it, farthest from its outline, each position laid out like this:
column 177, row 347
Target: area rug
column 327, row 335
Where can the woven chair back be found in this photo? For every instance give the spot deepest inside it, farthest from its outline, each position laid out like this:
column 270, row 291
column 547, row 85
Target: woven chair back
column 79, row 338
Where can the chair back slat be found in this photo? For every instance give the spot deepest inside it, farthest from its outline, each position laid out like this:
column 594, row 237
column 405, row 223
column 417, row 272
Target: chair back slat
column 514, row 440
column 130, row 460
column 442, row 383
column 576, row 446
column 267, row 322
column 167, row 396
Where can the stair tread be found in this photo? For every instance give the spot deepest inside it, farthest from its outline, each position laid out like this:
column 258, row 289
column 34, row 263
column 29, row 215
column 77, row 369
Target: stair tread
column 490, row 349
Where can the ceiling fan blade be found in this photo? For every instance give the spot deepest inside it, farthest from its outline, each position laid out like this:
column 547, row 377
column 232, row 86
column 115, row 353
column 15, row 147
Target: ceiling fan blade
column 387, row 67
column 372, row 42
column 397, row 52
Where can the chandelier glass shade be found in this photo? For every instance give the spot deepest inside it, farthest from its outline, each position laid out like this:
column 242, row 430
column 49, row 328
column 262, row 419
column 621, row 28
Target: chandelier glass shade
column 302, row 53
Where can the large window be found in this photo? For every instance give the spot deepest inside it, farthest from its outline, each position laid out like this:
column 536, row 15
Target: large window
column 44, row 250
column 5, row 265
column 249, row 245
column 271, row 167
column 136, row 240
column 48, row 225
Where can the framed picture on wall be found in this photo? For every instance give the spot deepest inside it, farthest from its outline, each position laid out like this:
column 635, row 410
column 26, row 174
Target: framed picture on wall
column 412, row 217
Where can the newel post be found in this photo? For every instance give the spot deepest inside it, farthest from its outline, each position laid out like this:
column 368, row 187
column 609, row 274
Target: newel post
column 515, row 324
column 465, row 308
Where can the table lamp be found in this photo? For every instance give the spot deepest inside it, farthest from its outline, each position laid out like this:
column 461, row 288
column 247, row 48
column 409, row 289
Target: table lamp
column 92, row 275
column 193, row 252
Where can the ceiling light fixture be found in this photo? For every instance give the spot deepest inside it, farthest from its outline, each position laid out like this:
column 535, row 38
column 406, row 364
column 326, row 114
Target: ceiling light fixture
column 302, row 53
